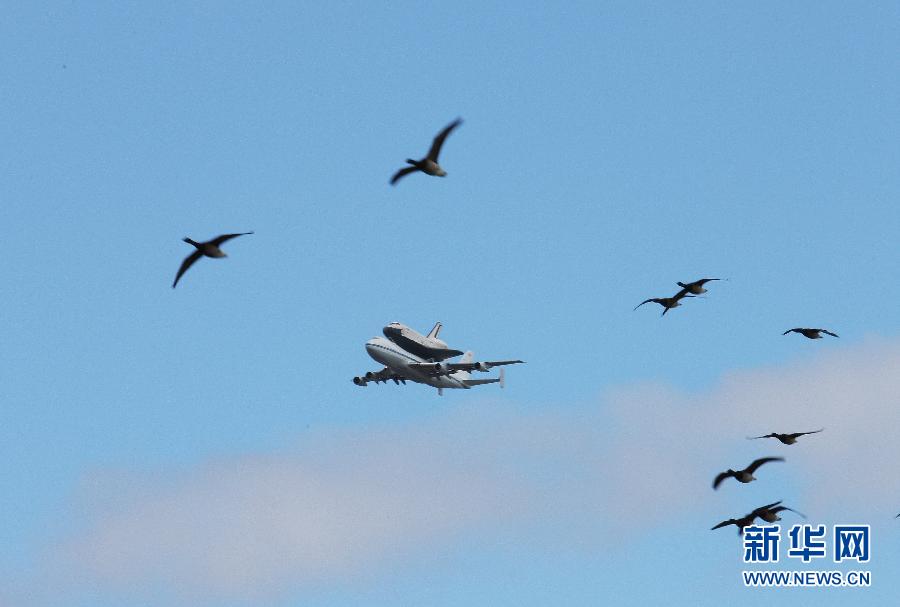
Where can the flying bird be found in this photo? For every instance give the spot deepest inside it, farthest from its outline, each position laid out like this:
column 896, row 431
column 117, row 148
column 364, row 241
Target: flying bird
column 768, row 513
column 787, row 439
column 666, row 302
column 811, row 333
column 747, row 519
column 429, row 164
column 745, row 475
column 209, row 248
column 696, row 287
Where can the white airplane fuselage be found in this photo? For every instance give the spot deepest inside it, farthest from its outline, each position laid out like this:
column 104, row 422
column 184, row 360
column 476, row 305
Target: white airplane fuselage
column 397, row 359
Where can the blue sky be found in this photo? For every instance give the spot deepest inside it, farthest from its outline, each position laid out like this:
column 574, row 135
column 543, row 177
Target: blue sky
column 608, row 150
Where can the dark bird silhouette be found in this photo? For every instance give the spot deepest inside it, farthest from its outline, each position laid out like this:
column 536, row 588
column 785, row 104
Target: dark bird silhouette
column 745, row 475
column 747, row 519
column 787, row 439
column 811, row 333
column 429, row 164
column 695, row 288
column 666, row 302
column 768, row 513
column 209, row 248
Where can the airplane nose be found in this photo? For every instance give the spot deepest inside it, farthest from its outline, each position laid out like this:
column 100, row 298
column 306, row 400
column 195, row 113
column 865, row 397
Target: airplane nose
column 375, row 348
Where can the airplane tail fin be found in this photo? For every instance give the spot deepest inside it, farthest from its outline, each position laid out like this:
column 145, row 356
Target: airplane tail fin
column 494, row 380
column 434, row 331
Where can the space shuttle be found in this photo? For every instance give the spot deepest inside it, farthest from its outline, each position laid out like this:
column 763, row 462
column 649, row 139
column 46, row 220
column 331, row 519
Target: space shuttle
column 427, row 347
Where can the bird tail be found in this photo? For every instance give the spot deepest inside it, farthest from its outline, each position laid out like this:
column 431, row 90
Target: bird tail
column 682, row 285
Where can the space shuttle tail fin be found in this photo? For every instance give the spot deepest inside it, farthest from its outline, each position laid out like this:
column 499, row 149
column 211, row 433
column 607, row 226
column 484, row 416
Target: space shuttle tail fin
column 434, row 331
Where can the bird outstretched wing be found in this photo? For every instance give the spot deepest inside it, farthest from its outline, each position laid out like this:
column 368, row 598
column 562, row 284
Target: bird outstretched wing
column 701, row 282
column 403, row 173
column 799, row 434
column 766, row 508
column 721, row 477
column 827, row 332
column 645, row 301
column 772, row 435
column 217, row 241
column 439, row 140
column 187, row 263
column 782, row 508
column 763, row 460
column 680, row 293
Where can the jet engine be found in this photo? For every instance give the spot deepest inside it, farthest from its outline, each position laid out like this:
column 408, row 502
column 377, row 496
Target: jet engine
column 483, row 367
column 359, row 381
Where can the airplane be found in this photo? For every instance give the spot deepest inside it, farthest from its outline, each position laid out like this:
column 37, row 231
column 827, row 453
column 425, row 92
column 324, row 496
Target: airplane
column 401, row 366
column 428, row 346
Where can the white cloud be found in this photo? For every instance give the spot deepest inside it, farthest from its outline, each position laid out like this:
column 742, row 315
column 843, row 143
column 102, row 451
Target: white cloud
column 681, row 440
column 351, row 503
column 341, row 508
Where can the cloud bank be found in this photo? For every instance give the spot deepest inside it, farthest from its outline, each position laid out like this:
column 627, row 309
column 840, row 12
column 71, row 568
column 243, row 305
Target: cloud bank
column 350, row 504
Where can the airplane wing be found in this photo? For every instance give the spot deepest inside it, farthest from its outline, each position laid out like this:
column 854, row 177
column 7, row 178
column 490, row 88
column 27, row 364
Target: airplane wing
column 385, row 375
column 450, row 368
